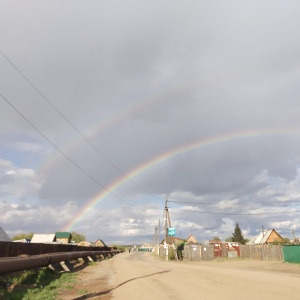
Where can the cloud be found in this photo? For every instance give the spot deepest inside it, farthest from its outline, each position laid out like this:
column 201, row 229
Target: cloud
column 18, row 183
column 140, row 79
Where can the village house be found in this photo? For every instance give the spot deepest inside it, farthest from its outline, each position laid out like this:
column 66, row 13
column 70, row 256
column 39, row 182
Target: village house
column 99, row 243
column 63, row 237
column 43, row 238
column 170, row 240
column 191, row 240
column 267, row 237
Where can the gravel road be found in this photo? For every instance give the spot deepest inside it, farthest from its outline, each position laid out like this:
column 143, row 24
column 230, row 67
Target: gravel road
column 144, row 276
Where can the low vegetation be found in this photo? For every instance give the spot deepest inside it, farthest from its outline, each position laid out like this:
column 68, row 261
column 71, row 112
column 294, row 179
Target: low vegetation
column 42, row 284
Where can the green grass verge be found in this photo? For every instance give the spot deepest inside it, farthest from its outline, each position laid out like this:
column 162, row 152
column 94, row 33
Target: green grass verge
column 43, row 284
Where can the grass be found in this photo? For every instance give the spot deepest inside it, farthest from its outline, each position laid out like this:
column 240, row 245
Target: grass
column 42, row 284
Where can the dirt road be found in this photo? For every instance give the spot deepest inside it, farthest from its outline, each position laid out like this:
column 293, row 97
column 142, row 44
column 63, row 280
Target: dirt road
column 143, row 276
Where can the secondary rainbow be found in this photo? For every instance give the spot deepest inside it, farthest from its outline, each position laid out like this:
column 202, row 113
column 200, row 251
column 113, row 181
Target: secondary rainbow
column 196, row 145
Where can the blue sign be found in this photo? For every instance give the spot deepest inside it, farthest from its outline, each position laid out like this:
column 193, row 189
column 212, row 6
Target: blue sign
column 171, row 231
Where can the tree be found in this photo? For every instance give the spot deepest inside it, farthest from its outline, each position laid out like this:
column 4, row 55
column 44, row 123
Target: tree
column 216, row 238
column 77, row 237
column 21, row 236
column 237, row 235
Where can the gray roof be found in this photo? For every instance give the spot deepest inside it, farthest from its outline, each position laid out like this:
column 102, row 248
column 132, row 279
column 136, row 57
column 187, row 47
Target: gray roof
column 3, row 236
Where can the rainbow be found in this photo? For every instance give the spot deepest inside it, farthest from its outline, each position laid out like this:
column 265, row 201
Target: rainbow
column 111, row 120
column 183, row 149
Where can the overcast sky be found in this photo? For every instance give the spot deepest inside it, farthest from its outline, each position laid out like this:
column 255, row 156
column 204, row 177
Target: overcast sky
column 109, row 107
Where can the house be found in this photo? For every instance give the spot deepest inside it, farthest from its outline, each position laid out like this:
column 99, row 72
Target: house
column 63, row 237
column 267, row 237
column 170, row 240
column 43, row 238
column 100, row 243
column 3, row 236
column 26, row 241
column 84, row 244
column 191, row 240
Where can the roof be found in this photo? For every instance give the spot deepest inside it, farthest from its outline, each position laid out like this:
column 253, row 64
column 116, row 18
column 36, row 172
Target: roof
column 100, row 243
column 170, row 240
column 22, row 241
column 43, row 238
column 63, row 235
column 84, row 244
column 263, row 237
column 3, row 236
column 191, row 239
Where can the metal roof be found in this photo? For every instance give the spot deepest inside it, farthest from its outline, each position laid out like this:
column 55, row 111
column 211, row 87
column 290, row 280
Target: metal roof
column 43, row 238
column 3, row 236
column 63, row 235
column 261, row 238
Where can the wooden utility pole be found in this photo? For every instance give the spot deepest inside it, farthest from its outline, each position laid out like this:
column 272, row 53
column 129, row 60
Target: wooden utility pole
column 167, row 226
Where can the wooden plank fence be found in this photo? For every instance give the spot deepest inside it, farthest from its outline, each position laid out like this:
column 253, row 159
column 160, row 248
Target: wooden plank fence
column 206, row 252
column 262, row 252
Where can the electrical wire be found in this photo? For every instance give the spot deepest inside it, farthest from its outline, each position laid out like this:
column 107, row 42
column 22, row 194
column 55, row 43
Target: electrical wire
column 234, row 214
column 61, row 152
column 73, row 126
column 208, row 203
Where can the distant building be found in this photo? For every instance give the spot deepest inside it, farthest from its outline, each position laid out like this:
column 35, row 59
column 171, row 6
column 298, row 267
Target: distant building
column 100, row 243
column 170, row 240
column 84, row 244
column 191, row 240
column 267, row 237
column 3, row 236
column 63, row 237
column 43, row 238
column 26, row 241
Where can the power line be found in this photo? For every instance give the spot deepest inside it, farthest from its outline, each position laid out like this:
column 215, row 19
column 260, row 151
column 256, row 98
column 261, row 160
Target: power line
column 235, row 214
column 60, row 151
column 232, row 203
column 73, row 126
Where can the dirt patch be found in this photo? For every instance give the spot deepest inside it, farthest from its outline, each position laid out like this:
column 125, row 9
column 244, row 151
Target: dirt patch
column 92, row 282
column 128, row 276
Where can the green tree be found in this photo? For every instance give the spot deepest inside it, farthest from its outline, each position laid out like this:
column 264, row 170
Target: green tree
column 77, row 237
column 22, row 236
column 216, row 238
column 237, row 235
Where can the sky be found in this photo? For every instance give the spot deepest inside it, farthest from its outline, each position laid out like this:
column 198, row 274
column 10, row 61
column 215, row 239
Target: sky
column 110, row 108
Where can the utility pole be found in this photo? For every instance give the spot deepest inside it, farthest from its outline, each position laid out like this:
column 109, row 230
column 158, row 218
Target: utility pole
column 156, row 241
column 168, row 225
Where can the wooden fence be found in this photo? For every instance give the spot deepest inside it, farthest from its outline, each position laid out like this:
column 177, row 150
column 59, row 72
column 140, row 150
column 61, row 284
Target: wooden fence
column 206, row 252
column 262, row 252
